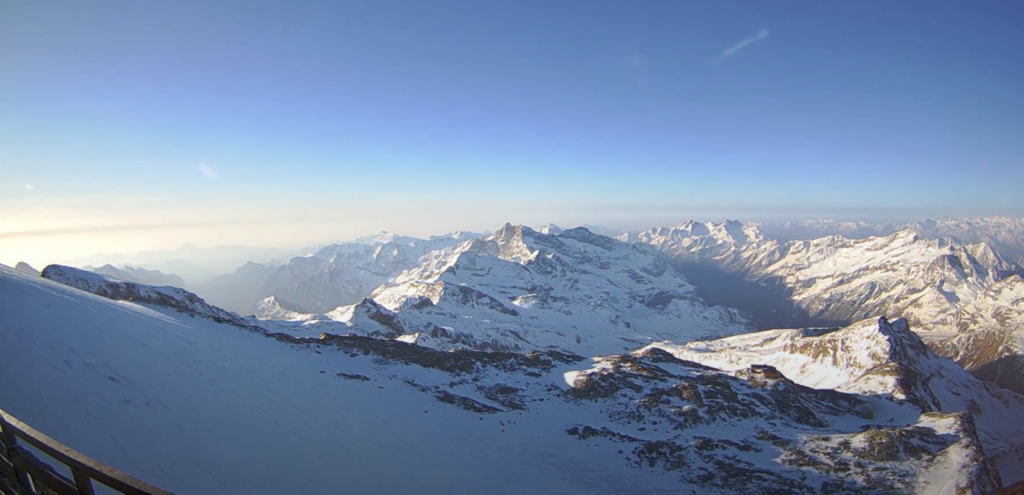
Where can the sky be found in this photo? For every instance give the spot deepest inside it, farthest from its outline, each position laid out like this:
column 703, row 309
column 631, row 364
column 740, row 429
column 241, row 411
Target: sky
column 143, row 125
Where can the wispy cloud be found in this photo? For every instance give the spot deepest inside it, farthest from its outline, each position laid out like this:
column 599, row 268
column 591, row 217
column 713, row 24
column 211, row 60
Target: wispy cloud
column 207, row 170
column 761, row 34
column 30, row 187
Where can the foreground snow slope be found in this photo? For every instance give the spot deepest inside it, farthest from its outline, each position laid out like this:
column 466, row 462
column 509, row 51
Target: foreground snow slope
column 204, row 407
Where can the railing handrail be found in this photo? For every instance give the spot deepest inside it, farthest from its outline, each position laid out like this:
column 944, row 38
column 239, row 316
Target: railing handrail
column 84, row 469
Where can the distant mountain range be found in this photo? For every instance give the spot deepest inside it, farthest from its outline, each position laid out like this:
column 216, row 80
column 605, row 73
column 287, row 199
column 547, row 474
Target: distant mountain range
column 954, row 280
column 966, row 299
column 519, row 289
column 193, row 264
column 1003, row 234
column 332, row 276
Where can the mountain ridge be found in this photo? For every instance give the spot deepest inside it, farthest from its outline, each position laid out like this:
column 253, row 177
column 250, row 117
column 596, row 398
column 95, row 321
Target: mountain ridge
column 946, row 289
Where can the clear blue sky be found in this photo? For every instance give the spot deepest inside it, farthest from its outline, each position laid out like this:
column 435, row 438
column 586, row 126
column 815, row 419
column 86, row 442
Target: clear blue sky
column 416, row 115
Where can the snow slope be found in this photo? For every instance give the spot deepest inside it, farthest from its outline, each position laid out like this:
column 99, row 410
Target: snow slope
column 197, row 406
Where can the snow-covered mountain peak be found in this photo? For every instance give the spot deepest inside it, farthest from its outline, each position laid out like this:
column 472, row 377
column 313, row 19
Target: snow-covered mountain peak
column 549, row 229
column 693, row 235
column 272, row 308
column 822, row 358
column 520, row 289
column 458, row 235
column 510, row 243
column 584, row 235
column 379, row 238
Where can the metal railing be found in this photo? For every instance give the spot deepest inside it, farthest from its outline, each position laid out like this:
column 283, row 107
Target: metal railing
column 1014, row 489
column 31, row 475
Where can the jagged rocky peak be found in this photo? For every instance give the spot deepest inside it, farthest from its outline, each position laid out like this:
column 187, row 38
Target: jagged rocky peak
column 691, row 233
column 549, row 229
column 379, row 238
column 691, row 227
column 26, row 268
column 584, row 235
column 519, row 289
column 511, row 243
column 939, row 284
column 274, row 308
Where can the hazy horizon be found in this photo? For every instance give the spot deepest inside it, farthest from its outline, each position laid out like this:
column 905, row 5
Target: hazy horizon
column 133, row 127
column 25, row 247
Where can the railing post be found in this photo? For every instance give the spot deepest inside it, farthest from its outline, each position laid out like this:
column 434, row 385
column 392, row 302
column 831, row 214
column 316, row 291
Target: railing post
column 82, row 481
column 10, row 442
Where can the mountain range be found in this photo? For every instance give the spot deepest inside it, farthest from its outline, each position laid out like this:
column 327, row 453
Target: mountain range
column 965, row 299
column 159, row 384
column 194, row 264
column 1004, row 234
column 331, row 276
column 953, row 279
column 853, row 402
column 518, row 290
